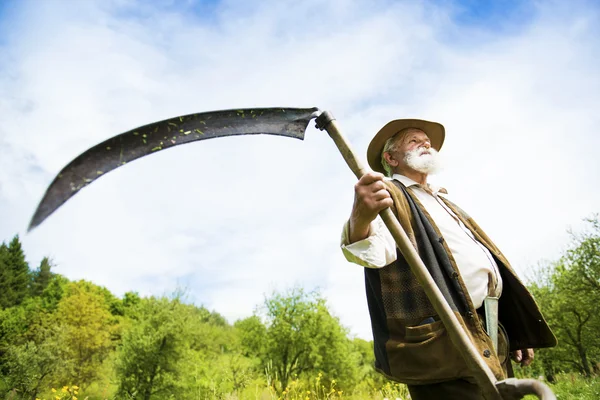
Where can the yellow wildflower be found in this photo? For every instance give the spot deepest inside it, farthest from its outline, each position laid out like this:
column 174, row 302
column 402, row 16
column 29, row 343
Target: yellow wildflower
column 65, row 388
column 74, row 398
column 308, row 392
column 75, row 387
column 53, row 390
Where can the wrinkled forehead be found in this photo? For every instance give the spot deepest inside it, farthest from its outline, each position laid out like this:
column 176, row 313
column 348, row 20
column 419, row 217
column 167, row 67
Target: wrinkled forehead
column 408, row 133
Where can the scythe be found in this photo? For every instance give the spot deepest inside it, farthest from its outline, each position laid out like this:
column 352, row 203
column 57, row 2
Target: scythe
column 291, row 122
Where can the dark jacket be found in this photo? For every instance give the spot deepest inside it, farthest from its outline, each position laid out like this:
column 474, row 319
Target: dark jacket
column 412, row 351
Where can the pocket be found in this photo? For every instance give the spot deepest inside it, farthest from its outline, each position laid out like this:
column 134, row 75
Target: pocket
column 425, row 355
column 422, row 333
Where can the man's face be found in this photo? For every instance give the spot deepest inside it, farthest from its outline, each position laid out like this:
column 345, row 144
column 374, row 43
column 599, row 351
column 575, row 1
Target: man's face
column 412, row 140
column 413, row 150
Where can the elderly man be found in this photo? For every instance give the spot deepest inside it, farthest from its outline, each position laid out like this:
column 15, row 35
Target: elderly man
column 410, row 342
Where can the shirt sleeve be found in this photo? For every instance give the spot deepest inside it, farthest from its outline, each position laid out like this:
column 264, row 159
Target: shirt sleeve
column 375, row 251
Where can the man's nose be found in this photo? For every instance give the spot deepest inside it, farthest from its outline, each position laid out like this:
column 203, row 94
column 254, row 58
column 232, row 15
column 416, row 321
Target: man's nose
column 427, row 145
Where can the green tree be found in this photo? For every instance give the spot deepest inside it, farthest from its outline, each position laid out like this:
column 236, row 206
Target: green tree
column 252, row 334
column 15, row 275
column 568, row 291
column 217, row 363
column 31, row 366
column 87, row 324
column 5, row 277
column 31, row 347
column 41, row 277
column 302, row 337
column 154, row 345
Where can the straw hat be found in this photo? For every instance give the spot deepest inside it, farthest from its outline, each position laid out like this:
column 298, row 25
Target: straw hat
column 434, row 130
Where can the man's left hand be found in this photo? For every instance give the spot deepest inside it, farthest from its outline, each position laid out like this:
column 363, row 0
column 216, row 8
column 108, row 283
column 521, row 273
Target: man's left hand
column 523, row 357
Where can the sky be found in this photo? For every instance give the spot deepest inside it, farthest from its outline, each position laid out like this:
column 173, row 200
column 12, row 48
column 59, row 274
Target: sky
column 515, row 83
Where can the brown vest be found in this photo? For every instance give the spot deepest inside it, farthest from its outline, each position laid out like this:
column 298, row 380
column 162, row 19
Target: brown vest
column 411, row 344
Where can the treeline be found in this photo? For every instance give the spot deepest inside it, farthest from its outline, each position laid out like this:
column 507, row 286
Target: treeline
column 568, row 291
column 76, row 339
column 61, row 339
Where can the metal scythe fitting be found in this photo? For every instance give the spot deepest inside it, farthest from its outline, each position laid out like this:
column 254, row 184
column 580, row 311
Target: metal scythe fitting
column 323, row 120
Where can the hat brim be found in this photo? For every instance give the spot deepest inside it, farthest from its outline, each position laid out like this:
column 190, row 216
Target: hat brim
column 434, row 130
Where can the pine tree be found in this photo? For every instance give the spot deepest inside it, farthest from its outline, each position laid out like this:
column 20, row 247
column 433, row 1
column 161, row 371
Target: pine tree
column 19, row 274
column 41, row 277
column 5, row 292
column 14, row 274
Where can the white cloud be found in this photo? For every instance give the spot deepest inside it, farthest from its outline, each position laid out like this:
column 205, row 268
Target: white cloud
column 232, row 219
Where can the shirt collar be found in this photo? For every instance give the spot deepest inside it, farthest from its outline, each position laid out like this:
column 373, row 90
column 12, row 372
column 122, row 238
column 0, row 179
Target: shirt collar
column 406, row 181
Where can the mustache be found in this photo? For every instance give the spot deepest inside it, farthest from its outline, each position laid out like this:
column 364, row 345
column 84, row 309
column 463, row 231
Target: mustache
column 422, row 150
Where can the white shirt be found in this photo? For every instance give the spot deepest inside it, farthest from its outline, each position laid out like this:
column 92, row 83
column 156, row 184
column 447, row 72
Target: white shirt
column 477, row 267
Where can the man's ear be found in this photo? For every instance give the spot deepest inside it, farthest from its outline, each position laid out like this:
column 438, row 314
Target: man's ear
column 390, row 159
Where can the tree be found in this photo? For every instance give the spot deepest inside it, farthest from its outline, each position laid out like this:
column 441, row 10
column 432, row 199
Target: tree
column 87, row 324
column 5, row 277
column 31, row 347
column 149, row 362
column 583, row 259
column 15, row 275
column 41, row 277
column 303, row 337
column 252, row 333
column 30, row 365
column 569, row 293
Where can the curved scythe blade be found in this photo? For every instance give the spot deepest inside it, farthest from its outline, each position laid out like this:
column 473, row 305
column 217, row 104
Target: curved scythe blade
column 148, row 139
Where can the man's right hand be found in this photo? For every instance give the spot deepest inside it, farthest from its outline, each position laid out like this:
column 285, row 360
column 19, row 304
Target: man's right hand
column 370, row 197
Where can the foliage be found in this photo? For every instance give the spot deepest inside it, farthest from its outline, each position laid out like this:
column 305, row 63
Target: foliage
column 168, row 343
column 55, row 333
column 31, row 365
column 41, row 277
column 84, row 318
column 152, row 349
column 14, row 274
column 300, row 337
column 568, row 291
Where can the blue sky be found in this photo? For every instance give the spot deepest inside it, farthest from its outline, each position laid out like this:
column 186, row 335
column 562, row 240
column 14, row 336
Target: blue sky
column 494, row 15
column 515, row 83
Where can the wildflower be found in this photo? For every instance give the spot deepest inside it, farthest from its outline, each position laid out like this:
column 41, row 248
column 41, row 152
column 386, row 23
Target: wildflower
column 65, row 389
column 53, row 390
column 74, row 398
column 75, row 387
column 308, row 392
column 333, row 381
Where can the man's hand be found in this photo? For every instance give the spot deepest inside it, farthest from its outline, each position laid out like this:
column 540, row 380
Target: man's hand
column 523, row 357
column 370, row 197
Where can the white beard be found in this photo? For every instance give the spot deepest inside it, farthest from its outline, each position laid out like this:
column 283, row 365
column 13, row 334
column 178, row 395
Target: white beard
column 423, row 163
